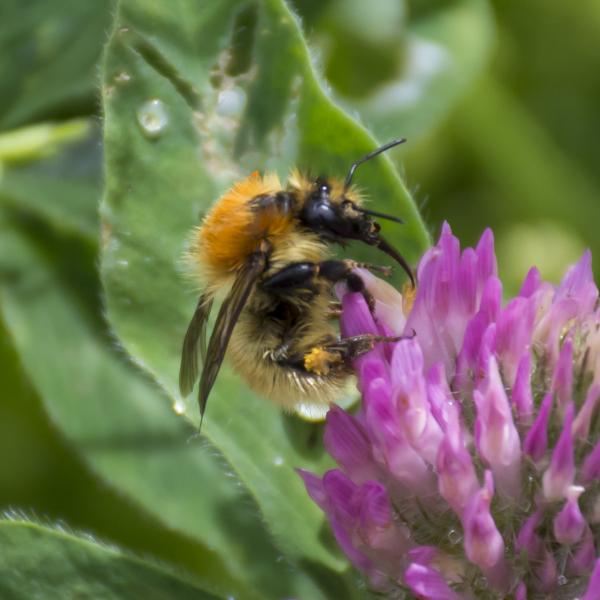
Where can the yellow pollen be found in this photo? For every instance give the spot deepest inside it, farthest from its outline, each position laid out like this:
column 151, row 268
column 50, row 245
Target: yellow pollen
column 319, row 360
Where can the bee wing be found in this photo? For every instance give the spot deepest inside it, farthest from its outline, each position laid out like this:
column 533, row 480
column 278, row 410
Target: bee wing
column 195, row 337
column 226, row 320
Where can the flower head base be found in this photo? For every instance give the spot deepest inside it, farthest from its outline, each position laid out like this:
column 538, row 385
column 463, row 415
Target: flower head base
column 473, row 466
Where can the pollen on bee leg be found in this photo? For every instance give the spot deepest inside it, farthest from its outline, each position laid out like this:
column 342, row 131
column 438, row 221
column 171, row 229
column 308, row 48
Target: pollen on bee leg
column 319, row 360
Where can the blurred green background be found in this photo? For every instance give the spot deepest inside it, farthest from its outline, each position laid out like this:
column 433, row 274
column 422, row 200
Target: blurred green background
column 500, row 104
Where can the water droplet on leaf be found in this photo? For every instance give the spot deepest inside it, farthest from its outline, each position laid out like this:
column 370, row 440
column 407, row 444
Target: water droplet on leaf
column 153, row 118
column 179, row 406
column 231, row 102
column 278, row 461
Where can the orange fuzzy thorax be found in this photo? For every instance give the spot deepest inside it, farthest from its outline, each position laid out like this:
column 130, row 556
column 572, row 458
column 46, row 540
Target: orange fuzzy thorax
column 231, row 231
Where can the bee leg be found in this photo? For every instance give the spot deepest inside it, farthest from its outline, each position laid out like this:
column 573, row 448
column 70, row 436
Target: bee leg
column 383, row 269
column 357, row 345
column 356, row 284
column 317, row 360
column 338, row 355
column 343, row 270
column 303, row 275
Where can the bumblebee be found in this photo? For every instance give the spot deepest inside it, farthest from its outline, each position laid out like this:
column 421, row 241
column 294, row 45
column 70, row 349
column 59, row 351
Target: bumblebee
column 266, row 247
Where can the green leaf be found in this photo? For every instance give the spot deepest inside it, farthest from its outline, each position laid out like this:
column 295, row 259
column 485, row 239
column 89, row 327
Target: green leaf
column 167, row 161
column 120, row 422
column 48, row 56
column 64, row 187
column 41, row 563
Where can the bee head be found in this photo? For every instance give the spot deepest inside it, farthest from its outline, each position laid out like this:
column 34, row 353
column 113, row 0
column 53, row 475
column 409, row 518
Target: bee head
column 333, row 215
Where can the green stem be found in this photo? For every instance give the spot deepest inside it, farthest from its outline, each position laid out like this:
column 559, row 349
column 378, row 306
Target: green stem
column 42, row 139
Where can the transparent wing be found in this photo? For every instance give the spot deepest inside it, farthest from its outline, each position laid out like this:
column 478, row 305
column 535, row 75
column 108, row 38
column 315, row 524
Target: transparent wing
column 226, row 320
column 195, row 338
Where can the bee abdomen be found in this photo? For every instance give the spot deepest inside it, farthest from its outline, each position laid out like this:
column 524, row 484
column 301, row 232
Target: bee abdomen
column 273, row 371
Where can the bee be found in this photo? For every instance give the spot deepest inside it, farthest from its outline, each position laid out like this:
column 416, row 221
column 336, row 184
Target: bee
column 267, row 248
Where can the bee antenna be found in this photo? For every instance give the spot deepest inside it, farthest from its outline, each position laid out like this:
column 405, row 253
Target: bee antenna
column 374, row 213
column 369, row 156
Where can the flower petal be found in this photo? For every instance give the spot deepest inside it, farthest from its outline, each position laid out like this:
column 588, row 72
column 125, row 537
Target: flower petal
column 521, row 397
column 536, row 440
column 561, row 472
column 410, row 399
column 387, row 434
column 590, row 470
column 569, row 524
column 593, row 589
column 531, row 283
column 496, row 436
column 428, row 584
column 582, row 422
column 457, row 480
column 513, row 335
column 484, row 545
column 562, row 383
column 347, row 441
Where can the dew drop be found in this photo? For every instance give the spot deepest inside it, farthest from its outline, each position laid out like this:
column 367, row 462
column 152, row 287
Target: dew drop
column 179, row 406
column 231, row 103
column 278, row 461
column 562, row 580
column 153, row 118
column 123, row 262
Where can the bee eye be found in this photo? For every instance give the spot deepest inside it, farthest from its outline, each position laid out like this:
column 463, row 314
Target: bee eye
column 321, row 186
